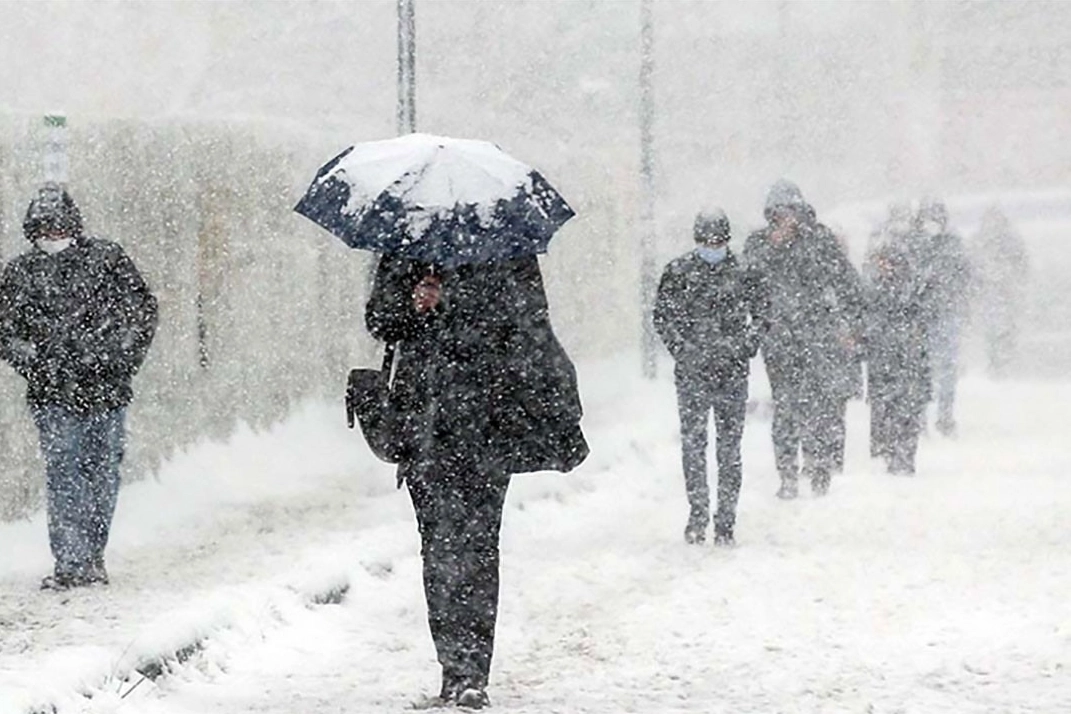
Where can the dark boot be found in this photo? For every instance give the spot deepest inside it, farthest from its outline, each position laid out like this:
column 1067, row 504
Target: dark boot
column 59, row 582
column 790, row 488
column 901, row 464
column 723, row 535
column 820, row 474
column 473, row 699
column 451, row 688
column 946, row 427
column 695, row 535
column 724, row 520
column 96, row 573
column 695, row 532
column 64, row 580
column 820, row 484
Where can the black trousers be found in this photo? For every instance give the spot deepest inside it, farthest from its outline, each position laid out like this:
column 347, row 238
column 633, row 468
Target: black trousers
column 806, row 419
column 697, row 397
column 895, row 423
column 459, row 515
column 840, row 436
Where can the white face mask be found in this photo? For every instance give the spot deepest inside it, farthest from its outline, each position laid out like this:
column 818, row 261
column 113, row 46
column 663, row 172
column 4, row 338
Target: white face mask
column 54, row 246
column 712, row 254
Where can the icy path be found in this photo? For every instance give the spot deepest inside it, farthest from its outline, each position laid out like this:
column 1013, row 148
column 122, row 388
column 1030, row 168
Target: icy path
column 943, row 593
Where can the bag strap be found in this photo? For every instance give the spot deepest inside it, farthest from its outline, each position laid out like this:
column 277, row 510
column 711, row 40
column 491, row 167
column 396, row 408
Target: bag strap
column 388, row 356
column 388, row 360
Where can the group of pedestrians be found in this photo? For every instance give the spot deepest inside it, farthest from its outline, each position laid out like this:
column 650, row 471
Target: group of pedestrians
column 482, row 389
column 794, row 296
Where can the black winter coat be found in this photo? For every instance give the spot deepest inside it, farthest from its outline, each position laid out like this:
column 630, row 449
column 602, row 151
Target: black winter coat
column 76, row 325
column 816, row 308
column 711, row 318
column 900, row 312
column 481, row 378
column 950, row 277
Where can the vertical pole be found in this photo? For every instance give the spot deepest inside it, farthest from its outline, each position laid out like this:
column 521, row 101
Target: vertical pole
column 785, row 89
column 406, row 113
column 923, row 91
column 647, row 191
column 406, row 67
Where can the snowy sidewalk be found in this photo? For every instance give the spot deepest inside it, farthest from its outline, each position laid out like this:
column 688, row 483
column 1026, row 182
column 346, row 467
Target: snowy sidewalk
column 942, row 593
column 224, row 524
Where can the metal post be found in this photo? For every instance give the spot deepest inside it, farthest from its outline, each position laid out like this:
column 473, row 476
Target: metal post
column 406, row 114
column 648, row 344
column 406, row 67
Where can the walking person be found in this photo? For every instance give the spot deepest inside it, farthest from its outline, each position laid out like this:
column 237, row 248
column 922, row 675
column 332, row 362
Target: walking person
column 710, row 316
column 1000, row 278
column 484, row 390
column 899, row 315
column 950, row 280
column 813, row 292
column 481, row 388
column 76, row 321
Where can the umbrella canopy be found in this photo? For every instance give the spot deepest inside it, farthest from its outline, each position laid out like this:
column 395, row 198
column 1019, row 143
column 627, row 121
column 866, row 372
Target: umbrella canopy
column 435, row 199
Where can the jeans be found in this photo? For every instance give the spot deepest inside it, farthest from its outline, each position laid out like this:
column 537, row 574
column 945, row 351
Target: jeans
column 82, row 456
column 459, row 515
column 697, row 397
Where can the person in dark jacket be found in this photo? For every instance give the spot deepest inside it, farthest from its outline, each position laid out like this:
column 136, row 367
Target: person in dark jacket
column 76, row 321
column 899, row 316
column 709, row 314
column 950, row 283
column 814, row 292
column 484, row 390
column 1002, row 269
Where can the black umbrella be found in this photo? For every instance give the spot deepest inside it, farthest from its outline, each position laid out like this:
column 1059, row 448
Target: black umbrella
column 435, row 199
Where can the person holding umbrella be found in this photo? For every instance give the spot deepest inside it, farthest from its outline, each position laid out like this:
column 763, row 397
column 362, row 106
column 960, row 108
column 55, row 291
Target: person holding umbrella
column 482, row 388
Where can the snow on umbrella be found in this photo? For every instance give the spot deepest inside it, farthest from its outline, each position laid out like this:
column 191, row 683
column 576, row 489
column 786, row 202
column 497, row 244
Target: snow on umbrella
column 435, row 199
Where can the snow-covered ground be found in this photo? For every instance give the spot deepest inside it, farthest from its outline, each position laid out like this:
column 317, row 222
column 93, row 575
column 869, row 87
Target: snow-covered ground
column 947, row 592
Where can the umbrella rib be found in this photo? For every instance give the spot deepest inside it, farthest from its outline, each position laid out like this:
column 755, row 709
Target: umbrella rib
column 488, row 172
column 470, row 162
column 423, row 169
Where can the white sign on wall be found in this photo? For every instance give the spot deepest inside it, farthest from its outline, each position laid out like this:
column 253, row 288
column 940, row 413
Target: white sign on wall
column 54, row 156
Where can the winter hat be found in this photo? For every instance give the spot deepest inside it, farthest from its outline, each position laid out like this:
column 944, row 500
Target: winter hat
column 711, row 227
column 52, row 209
column 784, row 194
